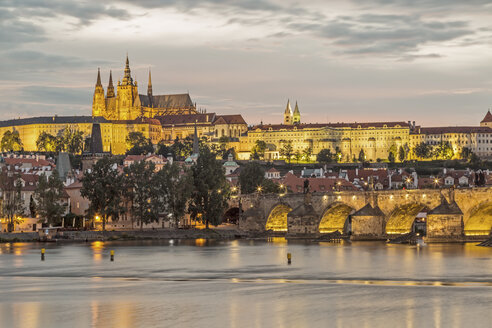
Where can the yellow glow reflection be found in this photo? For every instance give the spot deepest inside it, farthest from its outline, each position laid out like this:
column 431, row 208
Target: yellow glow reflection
column 97, row 250
column 200, row 242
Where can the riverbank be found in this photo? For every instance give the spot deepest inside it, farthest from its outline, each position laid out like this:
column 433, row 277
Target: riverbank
column 218, row 234
column 68, row 236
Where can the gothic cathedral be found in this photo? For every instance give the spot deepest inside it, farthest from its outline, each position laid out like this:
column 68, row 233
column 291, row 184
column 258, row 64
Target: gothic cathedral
column 127, row 104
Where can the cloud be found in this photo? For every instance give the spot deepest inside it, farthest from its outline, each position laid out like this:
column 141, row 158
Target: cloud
column 387, row 35
column 14, row 31
column 85, row 12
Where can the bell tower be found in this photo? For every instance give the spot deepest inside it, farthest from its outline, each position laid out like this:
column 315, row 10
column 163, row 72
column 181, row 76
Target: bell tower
column 98, row 101
column 296, row 118
column 126, row 94
column 288, row 114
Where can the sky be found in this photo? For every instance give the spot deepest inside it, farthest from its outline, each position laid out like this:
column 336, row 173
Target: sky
column 428, row 61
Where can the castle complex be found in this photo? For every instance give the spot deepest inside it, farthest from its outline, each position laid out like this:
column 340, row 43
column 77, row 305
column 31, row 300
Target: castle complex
column 170, row 117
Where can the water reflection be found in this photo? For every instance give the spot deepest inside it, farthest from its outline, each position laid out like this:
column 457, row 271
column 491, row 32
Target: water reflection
column 97, row 250
column 244, row 283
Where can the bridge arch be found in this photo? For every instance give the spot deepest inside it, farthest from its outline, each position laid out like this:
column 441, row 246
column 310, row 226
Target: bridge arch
column 277, row 219
column 402, row 218
column 480, row 221
column 231, row 215
column 335, row 218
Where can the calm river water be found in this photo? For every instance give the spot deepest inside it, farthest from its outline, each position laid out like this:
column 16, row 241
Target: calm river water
column 245, row 283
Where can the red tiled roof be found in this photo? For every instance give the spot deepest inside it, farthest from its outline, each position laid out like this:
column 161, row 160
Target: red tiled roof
column 354, row 125
column 32, row 161
column 456, row 129
column 273, row 170
column 186, row 119
column 487, row 118
column 296, row 184
column 230, row 119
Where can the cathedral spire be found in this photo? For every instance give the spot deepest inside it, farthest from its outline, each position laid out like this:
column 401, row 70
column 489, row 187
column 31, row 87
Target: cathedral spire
column 98, row 83
column 127, row 78
column 288, row 114
column 149, row 88
column 296, row 118
column 110, row 92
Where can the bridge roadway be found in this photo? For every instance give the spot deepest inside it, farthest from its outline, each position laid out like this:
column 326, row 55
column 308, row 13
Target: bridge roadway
column 449, row 212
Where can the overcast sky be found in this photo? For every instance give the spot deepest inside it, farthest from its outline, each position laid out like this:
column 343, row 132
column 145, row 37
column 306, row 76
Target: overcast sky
column 423, row 60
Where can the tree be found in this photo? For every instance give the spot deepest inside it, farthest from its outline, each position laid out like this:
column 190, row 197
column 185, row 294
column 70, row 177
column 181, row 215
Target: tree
column 466, row 153
column 74, row 141
column 423, row 150
column 269, row 187
column 393, row 150
column 11, row 141
column 46, row 142
column 32, row 207
column 210, row 189
column 297, row 156
column 103, row 187
column 138, row 181
column 222, row 150
column 138, row 144
column 362, row 156
column 173, row 186
column 287, row 150
column 49, row 196
column 258, row 150
column 12, row 205
column 391, row 157
column 251, row 176
column 164, row 150
column 444, row 150
column 325, row 156
column 401, row 154
column 306, row 153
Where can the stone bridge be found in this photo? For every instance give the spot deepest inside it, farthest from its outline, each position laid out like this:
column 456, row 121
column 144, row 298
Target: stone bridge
column 445, row 212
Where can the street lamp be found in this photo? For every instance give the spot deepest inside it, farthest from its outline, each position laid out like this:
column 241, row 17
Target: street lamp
column 436, row 182
column 281, row 190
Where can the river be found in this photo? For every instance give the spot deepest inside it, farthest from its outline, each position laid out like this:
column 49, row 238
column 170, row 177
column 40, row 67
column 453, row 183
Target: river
column 245, row 283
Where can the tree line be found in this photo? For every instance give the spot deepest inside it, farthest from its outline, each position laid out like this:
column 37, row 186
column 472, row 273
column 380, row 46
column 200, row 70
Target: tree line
column 147, row 195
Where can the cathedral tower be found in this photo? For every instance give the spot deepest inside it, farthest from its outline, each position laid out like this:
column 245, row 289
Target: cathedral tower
column 110, row 92
column 98, row 101
column 126, row 94
column 288, row 114
column 296, row 118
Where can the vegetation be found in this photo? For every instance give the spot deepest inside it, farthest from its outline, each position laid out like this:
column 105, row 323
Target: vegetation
column 423, row 151
column 362, row 156
column 251, row 177
column 138, row 144
column 49, row 198
column 287, row 150
column 401, row 154
column 325, row 156
column 11, row 141
column 11, row 201
column 258, row 151
column 141, row 192
column 210, row 189
column 173, row 186
column 103, row 187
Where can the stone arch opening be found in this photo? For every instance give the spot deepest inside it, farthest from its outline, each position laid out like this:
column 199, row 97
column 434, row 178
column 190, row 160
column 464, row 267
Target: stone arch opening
column 480, row 221
column 335, row 218
column 402, row 219
column 231, row 215
column 277, row 219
